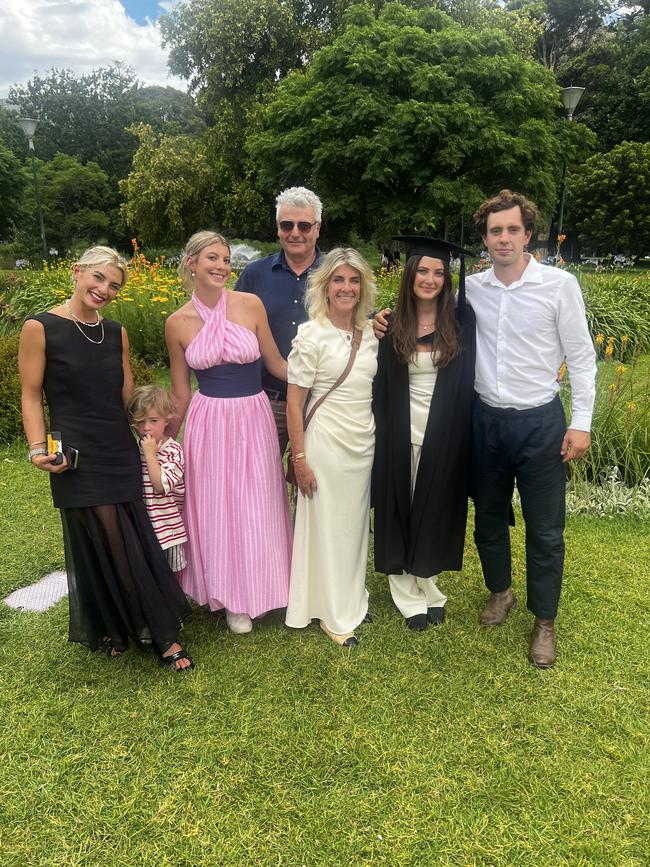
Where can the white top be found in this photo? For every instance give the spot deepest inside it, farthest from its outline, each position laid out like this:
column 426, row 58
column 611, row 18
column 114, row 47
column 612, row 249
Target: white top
column 422, row 380
column 524, row 332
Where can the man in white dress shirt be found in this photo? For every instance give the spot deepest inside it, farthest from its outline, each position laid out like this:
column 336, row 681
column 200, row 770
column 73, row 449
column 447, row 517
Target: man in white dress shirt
column 529, row 319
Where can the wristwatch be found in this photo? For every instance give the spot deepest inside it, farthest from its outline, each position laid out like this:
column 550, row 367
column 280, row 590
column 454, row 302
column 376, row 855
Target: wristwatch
column 33, row 452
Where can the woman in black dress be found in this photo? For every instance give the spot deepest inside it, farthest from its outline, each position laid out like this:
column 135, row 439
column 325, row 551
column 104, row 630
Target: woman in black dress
column 422, row 402
column 120, row 585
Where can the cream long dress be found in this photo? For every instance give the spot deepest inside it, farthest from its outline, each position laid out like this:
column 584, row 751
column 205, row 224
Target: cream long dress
column 413, row 594
column 330, row 545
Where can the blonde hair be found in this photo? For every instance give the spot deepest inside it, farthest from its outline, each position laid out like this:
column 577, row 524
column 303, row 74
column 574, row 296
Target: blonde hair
column 318, row 282
column 99, row 255
column 147, row 397
column 199, row 241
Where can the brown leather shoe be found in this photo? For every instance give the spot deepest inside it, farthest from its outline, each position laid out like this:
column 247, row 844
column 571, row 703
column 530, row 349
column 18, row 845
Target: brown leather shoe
column 497, row 608
column 541, row 651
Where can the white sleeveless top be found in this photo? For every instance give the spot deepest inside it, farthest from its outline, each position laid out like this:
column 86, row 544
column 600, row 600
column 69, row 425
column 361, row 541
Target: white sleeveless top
column 422, row 381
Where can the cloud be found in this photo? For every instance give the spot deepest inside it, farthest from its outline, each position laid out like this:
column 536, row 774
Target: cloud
column 36, row 35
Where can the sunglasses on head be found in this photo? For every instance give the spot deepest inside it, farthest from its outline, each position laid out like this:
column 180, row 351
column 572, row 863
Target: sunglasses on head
column 303, row 225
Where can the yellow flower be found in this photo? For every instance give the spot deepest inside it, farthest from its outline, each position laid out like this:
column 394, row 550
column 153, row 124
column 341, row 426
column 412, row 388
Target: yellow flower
column 600, row 338
column 631, row 407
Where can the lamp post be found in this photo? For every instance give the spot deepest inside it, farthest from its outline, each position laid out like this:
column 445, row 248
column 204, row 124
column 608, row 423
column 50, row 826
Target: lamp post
column 28, row 126
column 570, row 97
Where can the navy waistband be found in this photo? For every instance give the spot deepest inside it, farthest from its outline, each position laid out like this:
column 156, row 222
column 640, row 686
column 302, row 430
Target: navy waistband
column 231, row 380
column 511, row 411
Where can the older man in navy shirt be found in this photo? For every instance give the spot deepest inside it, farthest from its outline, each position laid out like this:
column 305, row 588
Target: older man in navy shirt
column 279, row 281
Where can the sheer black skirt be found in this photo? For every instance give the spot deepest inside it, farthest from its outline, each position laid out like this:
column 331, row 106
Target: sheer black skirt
column 119, row 581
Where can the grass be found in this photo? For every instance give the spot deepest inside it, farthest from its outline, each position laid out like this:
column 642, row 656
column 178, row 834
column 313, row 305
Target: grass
column 281, row 749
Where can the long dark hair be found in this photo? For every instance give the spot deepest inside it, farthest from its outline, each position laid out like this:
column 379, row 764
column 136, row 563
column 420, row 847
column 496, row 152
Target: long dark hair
column 404, row 320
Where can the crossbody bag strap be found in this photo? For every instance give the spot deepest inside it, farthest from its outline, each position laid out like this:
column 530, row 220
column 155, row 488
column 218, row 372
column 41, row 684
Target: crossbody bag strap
column 356, row 343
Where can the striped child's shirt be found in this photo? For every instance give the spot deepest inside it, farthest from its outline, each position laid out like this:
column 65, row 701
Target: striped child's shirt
column 164, row 509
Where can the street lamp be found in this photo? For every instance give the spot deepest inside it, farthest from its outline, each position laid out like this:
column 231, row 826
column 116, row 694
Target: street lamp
column 28, row 126
column 570, row 97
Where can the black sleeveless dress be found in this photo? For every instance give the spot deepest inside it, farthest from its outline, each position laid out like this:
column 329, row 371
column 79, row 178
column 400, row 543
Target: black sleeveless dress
column 119, row 581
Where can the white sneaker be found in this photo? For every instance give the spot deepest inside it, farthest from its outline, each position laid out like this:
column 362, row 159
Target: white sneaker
column 239, row 623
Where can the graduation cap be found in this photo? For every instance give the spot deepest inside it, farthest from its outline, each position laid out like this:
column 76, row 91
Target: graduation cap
column 423, row 245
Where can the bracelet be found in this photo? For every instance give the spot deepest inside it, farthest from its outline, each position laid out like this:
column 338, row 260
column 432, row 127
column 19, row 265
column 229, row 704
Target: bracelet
column 299, row 457
column 38, row 443
column 33, row 452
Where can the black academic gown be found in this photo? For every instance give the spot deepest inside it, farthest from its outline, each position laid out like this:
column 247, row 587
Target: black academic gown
column 426, row 536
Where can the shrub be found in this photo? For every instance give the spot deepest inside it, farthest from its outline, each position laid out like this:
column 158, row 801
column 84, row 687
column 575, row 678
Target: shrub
column 10, row 416
column 618, row 306
column 620, row 434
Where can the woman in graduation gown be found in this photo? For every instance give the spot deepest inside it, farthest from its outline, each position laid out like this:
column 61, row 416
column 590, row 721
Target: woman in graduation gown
column 422, row 403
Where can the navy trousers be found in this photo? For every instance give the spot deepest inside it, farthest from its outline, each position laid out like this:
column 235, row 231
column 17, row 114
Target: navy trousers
column 511, row 445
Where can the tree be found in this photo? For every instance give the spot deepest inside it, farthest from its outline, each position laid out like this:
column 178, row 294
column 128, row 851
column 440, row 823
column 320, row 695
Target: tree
column 166, row 109
column 226, row 49
column 616, row 74
column 610, row 200
column 73, row 197
column 568, row 26
column 87, row 116
column 83, row 116
column 170, row 189
column 409, row 120
column 12, row 184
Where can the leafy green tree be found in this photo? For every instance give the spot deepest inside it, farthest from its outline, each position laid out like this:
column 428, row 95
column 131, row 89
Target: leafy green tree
column 407, row 120
column 73, row 197
column 228, row 48
column 568, row 26
column 166, row 109
column 169, row 192
column 83, row 116
column 11, row 135
column 616, row 74
column 87, row 116
column 610, row 200
column 12, row 184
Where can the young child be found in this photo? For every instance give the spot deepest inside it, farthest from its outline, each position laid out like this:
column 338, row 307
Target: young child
column 150, row 410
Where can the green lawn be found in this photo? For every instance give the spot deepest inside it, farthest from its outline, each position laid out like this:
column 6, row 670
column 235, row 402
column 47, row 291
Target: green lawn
column 282, row 749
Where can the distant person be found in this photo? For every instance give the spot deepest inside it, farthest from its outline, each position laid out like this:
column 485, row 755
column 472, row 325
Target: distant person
column 331, row 367
column 120, row 585
column 151, row 411
column 279, row 282
column 423, row 395
column 236, row 506
column 530, row 318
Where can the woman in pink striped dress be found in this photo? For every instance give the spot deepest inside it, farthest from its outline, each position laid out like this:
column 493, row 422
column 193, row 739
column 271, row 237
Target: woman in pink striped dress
column 236, row 507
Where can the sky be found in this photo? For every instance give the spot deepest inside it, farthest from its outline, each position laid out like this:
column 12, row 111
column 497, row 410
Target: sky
column 36, row 35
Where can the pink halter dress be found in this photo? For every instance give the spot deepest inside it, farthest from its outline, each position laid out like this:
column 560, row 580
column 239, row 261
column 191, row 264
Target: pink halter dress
column 236, row 507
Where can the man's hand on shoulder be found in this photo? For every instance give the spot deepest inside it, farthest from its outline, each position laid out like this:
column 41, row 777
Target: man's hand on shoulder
column 380, row 322
column 574, row 445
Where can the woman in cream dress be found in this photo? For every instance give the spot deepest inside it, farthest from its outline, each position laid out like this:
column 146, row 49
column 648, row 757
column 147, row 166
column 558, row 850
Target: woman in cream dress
column 333, row 457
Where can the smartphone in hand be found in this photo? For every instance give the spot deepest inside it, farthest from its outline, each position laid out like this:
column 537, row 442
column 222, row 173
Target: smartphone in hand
column 55, row 446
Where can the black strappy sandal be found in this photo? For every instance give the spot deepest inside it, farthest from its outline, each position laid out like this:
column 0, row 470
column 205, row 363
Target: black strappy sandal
column 171, row 660
column 108, row 648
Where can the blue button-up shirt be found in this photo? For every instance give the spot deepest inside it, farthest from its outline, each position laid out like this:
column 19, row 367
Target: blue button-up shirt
column 283, row 294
